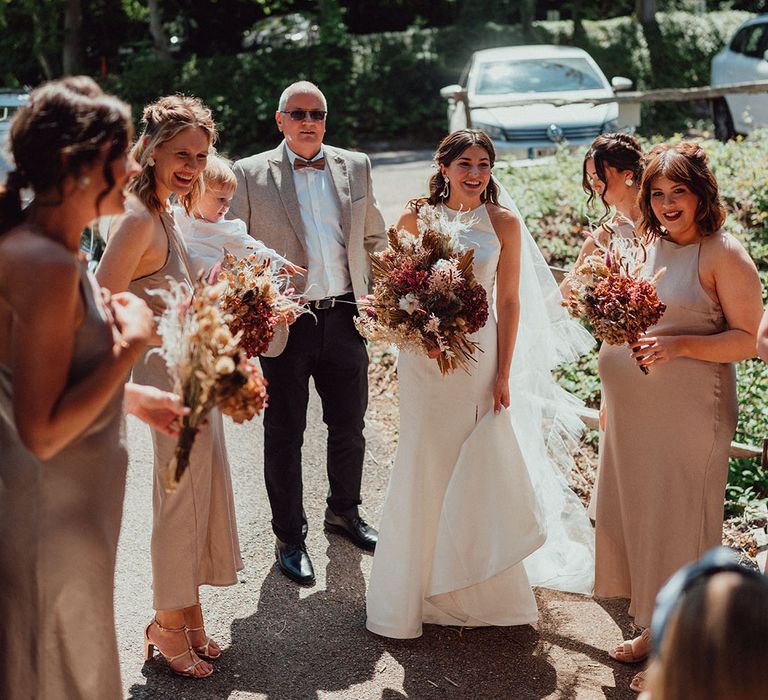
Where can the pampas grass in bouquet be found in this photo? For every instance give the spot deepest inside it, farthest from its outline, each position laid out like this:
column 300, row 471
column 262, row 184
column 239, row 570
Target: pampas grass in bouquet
column 425, row 296
column 206, row 365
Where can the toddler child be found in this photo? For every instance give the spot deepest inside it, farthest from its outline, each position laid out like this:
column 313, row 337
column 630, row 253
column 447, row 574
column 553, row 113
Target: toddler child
column 206, row 231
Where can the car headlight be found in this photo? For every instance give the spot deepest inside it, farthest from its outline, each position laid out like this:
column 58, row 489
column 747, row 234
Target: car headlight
column 610, row 126
column 494, row 132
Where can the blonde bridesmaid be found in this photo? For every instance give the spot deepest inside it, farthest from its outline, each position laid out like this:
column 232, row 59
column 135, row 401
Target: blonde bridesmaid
column 194, row 536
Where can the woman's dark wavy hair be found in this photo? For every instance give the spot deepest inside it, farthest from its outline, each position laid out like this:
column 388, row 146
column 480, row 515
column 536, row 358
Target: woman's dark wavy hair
column 687, row 163
column 617, row 150
column 449, row 149
column 62, row 130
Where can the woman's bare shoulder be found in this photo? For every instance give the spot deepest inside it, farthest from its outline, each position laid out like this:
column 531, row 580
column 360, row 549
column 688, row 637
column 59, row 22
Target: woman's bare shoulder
column 27, row 255
column 505, row 221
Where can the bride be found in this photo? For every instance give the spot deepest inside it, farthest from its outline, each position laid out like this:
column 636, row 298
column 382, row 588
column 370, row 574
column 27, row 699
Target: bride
column 478, row 509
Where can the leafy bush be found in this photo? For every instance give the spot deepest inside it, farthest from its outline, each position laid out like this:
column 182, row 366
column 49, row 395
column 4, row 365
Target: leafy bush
column 386, row 86
column 552, row 201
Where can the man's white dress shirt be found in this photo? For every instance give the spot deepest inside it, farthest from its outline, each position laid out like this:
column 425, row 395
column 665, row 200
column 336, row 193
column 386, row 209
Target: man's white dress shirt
column 327, row 265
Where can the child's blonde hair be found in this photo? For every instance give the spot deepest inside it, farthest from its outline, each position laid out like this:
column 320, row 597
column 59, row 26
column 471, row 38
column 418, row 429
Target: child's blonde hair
column 218, row 173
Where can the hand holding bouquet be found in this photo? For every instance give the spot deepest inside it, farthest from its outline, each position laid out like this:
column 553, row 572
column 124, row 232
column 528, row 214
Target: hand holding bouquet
column 425, row 296
column 205, row 364
column 256, row 299
column 607, row 290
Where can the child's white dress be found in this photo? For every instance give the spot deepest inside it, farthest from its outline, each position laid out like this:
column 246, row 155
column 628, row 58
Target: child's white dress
column 206, row 241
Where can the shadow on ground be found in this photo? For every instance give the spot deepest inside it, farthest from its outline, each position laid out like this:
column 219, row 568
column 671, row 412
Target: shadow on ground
column 302, row 643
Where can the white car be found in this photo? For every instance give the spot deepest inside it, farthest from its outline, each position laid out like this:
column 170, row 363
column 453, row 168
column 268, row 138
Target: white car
column 744, row 58
column 499, row 83
column 10, row 101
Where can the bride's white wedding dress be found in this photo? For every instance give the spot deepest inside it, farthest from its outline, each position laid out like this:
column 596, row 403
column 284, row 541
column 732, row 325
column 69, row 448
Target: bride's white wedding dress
column 462, row 511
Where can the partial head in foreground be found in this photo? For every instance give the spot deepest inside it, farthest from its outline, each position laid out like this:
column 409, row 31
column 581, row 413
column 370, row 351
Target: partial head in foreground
column 69, row 137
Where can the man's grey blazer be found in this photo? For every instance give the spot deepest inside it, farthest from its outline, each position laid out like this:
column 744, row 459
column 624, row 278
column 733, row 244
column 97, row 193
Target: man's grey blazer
column 266, row 200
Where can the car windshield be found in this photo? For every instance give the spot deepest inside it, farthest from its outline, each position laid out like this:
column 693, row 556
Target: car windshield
column 536, row 75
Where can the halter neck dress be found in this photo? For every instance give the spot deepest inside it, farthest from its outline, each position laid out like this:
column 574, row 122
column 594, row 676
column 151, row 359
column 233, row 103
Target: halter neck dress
column 460, row 514
column 664, row 456
column 59, row 527
column 194, row 532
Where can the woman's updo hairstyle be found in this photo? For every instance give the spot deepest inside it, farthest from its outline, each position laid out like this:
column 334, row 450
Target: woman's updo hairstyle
column 59, row 132
column 687, row 163
column 449, row 149
column 163, row 120
column 618, row 150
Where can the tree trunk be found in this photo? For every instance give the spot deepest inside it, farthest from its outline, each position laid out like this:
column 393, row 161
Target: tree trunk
column 156, row 28
column 38, row 43
column 72, row 50
column 645, row 11
column 527, row 15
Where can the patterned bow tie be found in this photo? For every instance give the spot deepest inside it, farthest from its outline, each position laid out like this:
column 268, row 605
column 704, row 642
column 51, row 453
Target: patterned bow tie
column 300, row 164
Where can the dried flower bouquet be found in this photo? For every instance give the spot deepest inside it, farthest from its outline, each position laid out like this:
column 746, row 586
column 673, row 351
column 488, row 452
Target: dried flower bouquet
column 256, row 299
column 608, row 291
column 425, row 296
column 205, row 364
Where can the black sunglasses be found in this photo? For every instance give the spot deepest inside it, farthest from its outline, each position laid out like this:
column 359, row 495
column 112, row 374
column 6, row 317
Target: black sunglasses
column 713, row 562
column 298, row 115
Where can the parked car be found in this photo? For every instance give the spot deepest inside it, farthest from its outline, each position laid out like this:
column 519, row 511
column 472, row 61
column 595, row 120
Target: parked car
column 10, row 101
column 744, row 58
column 500, row 82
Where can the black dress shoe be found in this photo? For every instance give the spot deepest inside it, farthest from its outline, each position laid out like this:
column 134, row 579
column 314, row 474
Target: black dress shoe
column 353, row 527
column 294, row 562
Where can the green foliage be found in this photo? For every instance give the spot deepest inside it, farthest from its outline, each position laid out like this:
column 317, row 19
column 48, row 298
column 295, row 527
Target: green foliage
column 552, row 201
column 384, row 87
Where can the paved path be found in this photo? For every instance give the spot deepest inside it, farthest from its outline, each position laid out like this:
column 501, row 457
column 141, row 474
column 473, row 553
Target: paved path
column 283, row 642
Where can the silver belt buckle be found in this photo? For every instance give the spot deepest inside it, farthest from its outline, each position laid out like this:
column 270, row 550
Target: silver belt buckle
column 327, row 303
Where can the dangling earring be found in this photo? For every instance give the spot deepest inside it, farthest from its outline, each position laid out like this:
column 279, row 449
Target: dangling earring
column 629, row 182
column 83, row 181
column 151, row 162
column 446, row 190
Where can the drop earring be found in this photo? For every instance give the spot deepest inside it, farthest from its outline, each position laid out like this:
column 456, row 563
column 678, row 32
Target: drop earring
column 446, row 190
column 151, row 162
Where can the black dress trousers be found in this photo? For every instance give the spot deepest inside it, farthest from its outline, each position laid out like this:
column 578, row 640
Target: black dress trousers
column 328, row 348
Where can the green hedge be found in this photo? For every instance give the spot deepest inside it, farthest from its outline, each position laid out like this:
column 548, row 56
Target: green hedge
column 385, row 87
column 552, row 201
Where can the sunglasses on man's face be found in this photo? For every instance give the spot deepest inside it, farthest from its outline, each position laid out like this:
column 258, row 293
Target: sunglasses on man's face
column 299, row 115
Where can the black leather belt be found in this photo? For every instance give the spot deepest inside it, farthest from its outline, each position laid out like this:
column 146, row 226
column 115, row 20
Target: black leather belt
column 330, row 302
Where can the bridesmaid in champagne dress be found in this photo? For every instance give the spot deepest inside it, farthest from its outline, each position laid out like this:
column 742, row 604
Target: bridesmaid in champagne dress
column 64, row 357
column 611, row 171
column 664, row 460
column 194, row 534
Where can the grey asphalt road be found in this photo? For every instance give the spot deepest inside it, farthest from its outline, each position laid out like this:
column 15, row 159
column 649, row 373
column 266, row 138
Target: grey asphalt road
column 283, row 642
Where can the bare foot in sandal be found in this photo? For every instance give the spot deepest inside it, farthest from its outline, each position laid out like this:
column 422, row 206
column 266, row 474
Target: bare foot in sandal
column 633, row 651
column 639, row 682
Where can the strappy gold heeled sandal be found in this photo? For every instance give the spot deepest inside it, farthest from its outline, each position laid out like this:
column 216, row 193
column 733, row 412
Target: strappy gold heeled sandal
column 204, row 650
column 187, row 671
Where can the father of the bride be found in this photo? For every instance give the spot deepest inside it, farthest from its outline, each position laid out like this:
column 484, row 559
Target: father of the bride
column 314, row 205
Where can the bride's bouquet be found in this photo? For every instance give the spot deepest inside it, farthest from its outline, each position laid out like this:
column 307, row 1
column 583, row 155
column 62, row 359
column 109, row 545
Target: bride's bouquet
column 256, row 300
column 609, row 292
column 205, row 364
column 425, row 296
